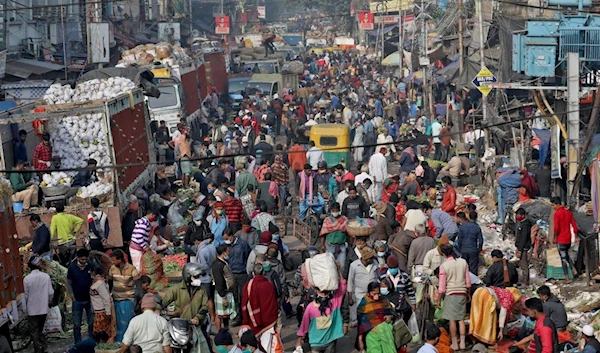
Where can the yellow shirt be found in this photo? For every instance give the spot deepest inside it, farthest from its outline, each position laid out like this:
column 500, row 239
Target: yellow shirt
column 64, row 226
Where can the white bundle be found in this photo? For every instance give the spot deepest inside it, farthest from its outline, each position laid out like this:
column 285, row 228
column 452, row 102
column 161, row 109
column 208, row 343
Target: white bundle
column 78, row 138
column 55, row 179
column 88, row 91
column 94, row 189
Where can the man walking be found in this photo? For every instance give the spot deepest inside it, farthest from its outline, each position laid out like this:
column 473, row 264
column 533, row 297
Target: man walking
column 523, row 243
column 238, row 257
column 470, row 240
column 38, row 295
column 79, row 282
column 563, row 222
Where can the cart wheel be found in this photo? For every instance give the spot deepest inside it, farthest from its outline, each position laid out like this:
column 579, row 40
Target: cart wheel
column 313, row 225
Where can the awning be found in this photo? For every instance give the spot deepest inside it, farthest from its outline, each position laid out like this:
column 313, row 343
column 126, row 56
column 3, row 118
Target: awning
column 6, row 105
column 23, row 68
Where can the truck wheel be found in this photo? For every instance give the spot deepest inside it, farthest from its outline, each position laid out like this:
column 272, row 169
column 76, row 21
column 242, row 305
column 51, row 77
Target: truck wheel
column 5, row 345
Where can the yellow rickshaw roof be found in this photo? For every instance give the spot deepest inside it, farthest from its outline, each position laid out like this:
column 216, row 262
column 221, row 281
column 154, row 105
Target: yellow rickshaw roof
column 329, row 129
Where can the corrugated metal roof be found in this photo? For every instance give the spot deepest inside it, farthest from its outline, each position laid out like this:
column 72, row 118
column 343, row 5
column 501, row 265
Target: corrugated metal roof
column 27, row 84
column 24, row 68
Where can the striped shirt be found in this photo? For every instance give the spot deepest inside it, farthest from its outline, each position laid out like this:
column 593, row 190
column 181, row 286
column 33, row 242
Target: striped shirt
column 123, row 281
column 234, row 210
column 403, row 286
column 139, row 236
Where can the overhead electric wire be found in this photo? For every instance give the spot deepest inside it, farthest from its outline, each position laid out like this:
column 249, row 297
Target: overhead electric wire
column 212, row 158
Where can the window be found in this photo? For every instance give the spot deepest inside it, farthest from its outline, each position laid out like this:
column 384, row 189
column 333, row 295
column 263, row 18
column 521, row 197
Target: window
column 328, row 141
column 168, row 98
column 275, row 89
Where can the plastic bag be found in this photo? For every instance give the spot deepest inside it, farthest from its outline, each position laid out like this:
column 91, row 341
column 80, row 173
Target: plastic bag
column 321, row 272
column 413, row 327
column 53, row 322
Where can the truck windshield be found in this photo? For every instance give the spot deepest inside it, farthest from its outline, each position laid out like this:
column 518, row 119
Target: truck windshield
column 168, row 98
column 252, row 88
column 237, row 87
column 265, row 68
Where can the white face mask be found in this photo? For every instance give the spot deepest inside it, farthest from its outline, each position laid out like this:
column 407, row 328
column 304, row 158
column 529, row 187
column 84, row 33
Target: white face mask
column 381, row 254
column 335, row 214
column 196, row 282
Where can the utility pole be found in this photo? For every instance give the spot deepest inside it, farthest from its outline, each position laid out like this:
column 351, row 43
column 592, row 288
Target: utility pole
column 63, row 9
column 461, row 44
column 572, row 120
column 400, row 42
column 424, row 61
column 484, row 99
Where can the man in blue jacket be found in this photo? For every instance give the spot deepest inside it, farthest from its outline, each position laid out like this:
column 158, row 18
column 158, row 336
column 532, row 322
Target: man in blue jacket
column 470, row 240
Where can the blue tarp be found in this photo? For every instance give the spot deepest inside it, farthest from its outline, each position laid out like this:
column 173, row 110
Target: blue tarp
column 292, row 40
column 544, row 136
column 6, row 105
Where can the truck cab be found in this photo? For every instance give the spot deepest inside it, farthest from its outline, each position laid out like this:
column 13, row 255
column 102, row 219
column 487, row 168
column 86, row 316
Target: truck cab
column 236, row 87
column 169, row 106
column 265, row 66
column 269, row 84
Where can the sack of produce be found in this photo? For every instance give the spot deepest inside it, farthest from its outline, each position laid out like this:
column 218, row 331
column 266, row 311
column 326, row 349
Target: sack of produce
column 247, row 51
column 360, row 227
column 152, row 266
column 295, row 67
column 322, row 272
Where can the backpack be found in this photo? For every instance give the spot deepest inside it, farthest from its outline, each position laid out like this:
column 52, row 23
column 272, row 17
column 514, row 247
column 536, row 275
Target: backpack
column 98, row 221
column 274, row 278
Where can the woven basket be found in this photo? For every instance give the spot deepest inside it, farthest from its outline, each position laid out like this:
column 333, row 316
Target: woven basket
column 51, row 191
column 362, row 228
column 86, row 201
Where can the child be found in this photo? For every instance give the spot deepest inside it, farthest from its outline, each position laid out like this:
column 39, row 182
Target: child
column 140, row 291
column 101, row 302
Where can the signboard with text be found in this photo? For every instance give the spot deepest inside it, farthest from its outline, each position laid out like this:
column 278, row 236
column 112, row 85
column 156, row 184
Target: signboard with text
column 262, row 11
column 484, row 80
column 366, row 22
column 391, row 5
column 222, row 25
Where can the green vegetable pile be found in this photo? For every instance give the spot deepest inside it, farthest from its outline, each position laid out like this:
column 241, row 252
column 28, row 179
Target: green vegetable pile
column 419, row 199
column 108, row 346
column 435, row 163
column 171, row 267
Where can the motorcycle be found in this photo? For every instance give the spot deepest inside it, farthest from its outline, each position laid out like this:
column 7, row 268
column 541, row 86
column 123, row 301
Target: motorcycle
column 182, row 332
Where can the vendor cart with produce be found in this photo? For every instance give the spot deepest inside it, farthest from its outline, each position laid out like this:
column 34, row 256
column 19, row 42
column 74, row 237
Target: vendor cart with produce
column 103, row 119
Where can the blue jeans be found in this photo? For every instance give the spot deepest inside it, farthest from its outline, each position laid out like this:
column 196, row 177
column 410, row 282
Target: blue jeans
column 472, row 258
column 341, row 257
column 78, row 308
column 379, row 190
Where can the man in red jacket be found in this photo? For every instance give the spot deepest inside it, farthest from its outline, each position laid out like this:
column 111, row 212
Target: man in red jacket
column 544, row 333
column 449, row 199
column 564, row 224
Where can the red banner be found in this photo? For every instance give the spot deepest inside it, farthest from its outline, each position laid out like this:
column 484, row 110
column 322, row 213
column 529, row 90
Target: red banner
column 222, row 25
column 366, row 21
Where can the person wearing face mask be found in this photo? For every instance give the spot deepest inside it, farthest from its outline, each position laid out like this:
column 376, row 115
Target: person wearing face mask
column 238, row 256
column 248, row 342
column 225, row 305
column 247, row 233
column 325, row 320
column 224, row 342
column 140, row 238
column 375, row 315
column 333, row 233
column 362, row 272
column 399, row 285
column 260, row 308
column 219, row 222
column 322, row 179
column 190, row 301
column 78, row 286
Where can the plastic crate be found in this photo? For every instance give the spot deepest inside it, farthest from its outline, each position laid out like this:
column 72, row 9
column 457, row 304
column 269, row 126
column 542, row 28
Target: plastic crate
column 557, row 273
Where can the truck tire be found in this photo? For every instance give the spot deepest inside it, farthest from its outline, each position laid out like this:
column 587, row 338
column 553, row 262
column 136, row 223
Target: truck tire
column 5, row 345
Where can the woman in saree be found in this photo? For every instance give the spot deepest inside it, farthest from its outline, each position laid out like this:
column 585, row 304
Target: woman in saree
column 375, row 316
column 490, row 308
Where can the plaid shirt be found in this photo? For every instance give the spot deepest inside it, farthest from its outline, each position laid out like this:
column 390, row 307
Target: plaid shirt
column 234, row 210
column 280, row 173
column 42, row 153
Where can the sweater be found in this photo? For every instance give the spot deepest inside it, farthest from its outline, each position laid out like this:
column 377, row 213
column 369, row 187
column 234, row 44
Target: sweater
column 18, row 181
column 41, row 240
column 556, row 312
column 454, row 277
column 100, row 297
column 357, row 207
column 418, row 249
